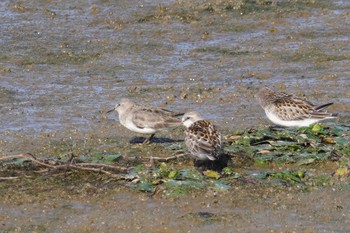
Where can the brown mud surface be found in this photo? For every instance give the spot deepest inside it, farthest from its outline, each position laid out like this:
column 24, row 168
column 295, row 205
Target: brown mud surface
column 63, row 64
column 247, row 208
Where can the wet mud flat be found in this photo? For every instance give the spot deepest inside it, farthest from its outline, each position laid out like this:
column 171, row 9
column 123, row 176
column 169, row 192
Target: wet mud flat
column 63, row 64
column 248, row 208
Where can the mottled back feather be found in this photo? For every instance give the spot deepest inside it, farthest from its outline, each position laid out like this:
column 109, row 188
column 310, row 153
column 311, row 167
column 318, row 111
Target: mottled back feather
column 202, row 137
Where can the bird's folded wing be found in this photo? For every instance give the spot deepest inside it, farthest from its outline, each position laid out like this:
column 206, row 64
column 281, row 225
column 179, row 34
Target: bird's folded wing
column 154, row 118
column 203, row 145
column 293, row 109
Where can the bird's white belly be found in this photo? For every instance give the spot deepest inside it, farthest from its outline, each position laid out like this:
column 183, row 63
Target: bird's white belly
column 200, row 156
column 131, row 126
column 295, row 123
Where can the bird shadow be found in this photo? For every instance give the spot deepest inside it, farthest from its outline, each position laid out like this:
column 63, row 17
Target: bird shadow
column 216, row 165
column 140, row 140
column 277, row 128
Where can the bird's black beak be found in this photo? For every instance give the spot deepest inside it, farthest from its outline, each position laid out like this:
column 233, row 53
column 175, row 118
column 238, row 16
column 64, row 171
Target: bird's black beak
column 109, row 111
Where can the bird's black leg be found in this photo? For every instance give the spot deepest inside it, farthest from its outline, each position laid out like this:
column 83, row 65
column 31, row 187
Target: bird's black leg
column 148, row 140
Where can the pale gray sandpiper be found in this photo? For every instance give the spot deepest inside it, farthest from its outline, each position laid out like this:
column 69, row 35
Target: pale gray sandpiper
column 145, row 120
column 203, row 139
column 290, row 111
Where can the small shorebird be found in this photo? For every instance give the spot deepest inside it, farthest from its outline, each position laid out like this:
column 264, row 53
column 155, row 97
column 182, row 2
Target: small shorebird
column 145, row 120
column 203, row 139
column 290, row 111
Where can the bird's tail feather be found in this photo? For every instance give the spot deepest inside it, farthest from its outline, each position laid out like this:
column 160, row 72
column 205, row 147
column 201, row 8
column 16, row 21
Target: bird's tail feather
column 323, row 106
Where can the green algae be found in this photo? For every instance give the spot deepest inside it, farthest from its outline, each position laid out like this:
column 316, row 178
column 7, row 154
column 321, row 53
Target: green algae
column 285, row 156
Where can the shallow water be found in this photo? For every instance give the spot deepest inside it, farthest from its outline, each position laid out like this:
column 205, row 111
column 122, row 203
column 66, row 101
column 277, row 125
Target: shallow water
column 64, row 63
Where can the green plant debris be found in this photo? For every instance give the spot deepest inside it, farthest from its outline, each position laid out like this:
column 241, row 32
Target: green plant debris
column 342, row 171
column 221, row 186
column 345, row 186
column 227, row 171
column 145, row 187
column 105, row 159
column 212, row 174
column 302, row 146
column 273, row 156
column 291, row 176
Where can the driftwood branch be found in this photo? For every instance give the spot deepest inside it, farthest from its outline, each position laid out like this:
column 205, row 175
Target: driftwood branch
column 60, row 168
column 9, row 178
column 167, row 159
column 69, row 165
column 12, row 157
